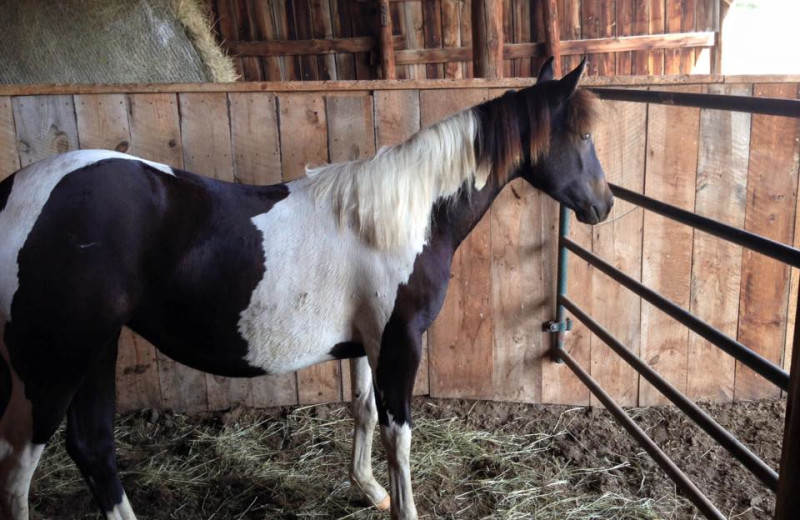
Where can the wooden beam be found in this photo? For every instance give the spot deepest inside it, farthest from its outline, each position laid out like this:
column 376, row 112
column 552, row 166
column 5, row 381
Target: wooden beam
column 368, row 85
column 306, row 47
column 552, row 34
column 487, row 38
column 387, row 46
column 437, row 55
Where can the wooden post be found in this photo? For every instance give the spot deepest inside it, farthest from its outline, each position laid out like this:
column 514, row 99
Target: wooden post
column 552, row 34
column 387, row 42
column 720, row 11
column 788, row 501
column 487, row 38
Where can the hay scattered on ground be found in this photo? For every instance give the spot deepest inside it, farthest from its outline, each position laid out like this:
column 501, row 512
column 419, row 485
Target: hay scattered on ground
column 293, row 464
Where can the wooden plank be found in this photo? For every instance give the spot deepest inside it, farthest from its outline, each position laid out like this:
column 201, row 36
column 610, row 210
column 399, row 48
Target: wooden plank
column 680, row 18
column 9, row 158
column 304, row 134
column 460, row 340
column 228, row 30
column 361, row 19
column 432, row 29
column 522, row 289
column 155, row 128
column 487, row 38
column 283, row 17
column 342, row 28
column 397, row 117
column 667, row 249
column 620, row 139
column 265, row 30
column 656, row 25
column 451, row 35
column 387, row 44
column 716, row 268
column 255, row 145
column 579, row 47
column 598, row 22
column 102, row 121
column 328, row 86
column 304, row 140
column 351, row 136
column 704, row 21
column 45, row 126
column 771, row 202
column 632, row 20
column 205, row 130
column 322, row 27
column 155, row 135
column 569, row 16
column 246, row 30
column 552, row 34
column 466, row 35
column 521, row 33
column 415, row 37
column 302, row 25
column 508, row 30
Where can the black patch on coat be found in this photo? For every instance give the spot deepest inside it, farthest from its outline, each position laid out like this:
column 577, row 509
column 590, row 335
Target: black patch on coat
column 5, row 385
column 348, row 350
column 118, row 242
column 5, row 191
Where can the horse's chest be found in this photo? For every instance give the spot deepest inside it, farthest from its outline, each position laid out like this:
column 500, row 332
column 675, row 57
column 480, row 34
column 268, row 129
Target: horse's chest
column 321, row 286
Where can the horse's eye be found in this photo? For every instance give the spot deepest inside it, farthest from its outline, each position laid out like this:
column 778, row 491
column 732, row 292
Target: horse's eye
column 586, row 136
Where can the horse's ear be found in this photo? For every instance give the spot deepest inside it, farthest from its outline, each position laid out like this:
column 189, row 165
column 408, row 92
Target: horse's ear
column 546, row 72
column 569, row 83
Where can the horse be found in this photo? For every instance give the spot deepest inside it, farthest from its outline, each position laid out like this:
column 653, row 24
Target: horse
column 350, row 262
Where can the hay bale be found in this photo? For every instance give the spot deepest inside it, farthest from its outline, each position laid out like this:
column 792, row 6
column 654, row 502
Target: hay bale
column 109, row 41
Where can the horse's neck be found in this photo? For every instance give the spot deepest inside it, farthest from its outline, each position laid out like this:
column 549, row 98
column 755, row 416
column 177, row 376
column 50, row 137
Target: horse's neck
column 454, row 220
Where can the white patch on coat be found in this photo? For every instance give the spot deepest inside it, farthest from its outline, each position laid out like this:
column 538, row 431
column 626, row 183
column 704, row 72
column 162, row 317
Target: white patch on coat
column 389, row 197
column 322, row 285
column 31, row 190
column 19, row 480
column 121, row 511
column 397, row 442
column 365, row 415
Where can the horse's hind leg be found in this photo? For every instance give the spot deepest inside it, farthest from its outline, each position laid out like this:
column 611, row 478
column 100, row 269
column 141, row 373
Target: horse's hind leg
column 19, row 454
column 90, row 437
column 365, row 414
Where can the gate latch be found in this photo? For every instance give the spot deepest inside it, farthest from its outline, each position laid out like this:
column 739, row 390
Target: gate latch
column 559, row 326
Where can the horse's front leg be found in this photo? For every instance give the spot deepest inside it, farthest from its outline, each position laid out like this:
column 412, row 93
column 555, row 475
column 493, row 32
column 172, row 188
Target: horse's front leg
column 365, row 415
column 397, row 365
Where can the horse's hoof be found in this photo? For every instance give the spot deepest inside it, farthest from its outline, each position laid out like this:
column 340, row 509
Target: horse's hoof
column 384, row 504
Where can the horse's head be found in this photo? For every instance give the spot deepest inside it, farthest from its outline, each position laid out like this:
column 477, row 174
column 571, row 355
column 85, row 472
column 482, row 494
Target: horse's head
column 563, row 162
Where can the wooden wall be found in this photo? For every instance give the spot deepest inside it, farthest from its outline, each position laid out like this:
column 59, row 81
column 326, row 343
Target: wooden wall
column 446, row 25
column 488, row 341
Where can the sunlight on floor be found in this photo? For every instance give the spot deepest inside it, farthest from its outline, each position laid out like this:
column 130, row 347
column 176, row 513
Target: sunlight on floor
column 761, row 37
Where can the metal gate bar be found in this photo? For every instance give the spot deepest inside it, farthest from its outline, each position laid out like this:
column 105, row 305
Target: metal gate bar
column 753, row 105
column 788, row 485
column 757, row 467
column 765, row 246
column 679, row 477
column 762, row 366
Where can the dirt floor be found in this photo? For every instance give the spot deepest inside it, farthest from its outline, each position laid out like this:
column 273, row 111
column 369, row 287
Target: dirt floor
column 469, row 460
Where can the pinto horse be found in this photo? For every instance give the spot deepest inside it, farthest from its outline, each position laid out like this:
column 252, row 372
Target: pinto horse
column 351, row 261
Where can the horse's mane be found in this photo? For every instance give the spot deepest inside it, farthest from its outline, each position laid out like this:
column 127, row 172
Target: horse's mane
column 389, row 198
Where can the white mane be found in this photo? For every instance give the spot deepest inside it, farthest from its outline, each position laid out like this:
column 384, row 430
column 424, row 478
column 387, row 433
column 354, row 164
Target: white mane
column 388, row 198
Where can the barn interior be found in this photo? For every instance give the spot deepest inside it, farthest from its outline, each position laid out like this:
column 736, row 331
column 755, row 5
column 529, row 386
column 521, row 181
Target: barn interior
column 252, row 91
